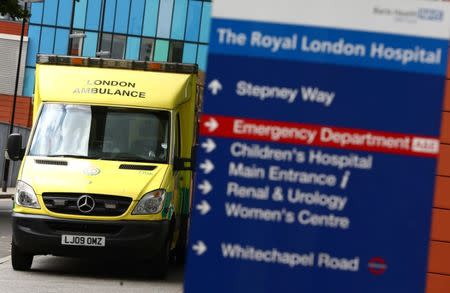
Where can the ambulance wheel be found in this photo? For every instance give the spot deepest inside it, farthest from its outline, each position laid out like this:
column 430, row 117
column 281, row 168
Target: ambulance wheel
column 20, row 261
column 180, row 249
column 160, row 264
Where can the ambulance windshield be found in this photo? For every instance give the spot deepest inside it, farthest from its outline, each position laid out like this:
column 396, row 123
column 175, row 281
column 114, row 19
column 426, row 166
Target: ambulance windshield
column 101, row 132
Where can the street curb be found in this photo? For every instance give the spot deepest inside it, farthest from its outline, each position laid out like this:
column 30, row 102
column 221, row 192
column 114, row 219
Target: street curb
column 5, row 259
column 9, row 193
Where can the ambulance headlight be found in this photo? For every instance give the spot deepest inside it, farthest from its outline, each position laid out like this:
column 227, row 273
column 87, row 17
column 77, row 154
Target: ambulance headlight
column 150, row 203
column 25, row 196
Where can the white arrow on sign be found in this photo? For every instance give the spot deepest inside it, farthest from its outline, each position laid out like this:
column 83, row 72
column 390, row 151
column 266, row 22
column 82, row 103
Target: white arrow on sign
column 211, row 124
column 205, row 187
column 209, row 145
column 203, row 207
column 215, row 86
column 199, row 247
column 207, row 166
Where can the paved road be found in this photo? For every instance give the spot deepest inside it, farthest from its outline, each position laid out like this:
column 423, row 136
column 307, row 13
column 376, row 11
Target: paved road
column 51, row 274
column 56, row 274
column 5, row 227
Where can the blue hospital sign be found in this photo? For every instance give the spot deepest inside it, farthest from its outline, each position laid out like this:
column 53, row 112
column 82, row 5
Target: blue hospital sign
column 318, row 146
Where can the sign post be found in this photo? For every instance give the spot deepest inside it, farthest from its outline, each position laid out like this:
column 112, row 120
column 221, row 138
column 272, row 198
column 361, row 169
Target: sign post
column 318, row 146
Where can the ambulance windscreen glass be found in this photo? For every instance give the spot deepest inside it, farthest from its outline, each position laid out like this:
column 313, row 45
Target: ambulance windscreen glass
column 100, row 132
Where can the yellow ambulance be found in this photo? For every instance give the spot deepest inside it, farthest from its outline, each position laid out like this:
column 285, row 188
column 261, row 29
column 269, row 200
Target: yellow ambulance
column 107, row 170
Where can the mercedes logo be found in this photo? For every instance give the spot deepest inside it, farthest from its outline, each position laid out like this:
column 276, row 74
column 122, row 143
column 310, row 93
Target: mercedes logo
column 91, row 171
column 85, row 203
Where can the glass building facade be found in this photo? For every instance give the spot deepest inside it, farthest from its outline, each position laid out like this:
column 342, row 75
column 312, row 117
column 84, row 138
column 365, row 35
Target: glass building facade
column 158, row 30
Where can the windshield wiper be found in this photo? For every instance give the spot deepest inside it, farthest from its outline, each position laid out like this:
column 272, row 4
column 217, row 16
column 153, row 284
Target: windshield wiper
column 119, row 158
column 71, row 156
column 130, row 159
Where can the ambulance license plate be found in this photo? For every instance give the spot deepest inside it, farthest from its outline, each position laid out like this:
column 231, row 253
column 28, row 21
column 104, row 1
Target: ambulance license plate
column 81, row 240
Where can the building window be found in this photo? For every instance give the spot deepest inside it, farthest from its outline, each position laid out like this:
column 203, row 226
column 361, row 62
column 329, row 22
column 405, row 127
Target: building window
column 161, row 51
column 90, row 44
column 118, row 47
column 77, row 43
column 133, row 48
column 105, row 46
column 149, row 30
column 147, row 46
column 176, row 52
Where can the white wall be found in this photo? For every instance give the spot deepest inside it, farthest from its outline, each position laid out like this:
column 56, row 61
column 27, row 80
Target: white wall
column 9, row 50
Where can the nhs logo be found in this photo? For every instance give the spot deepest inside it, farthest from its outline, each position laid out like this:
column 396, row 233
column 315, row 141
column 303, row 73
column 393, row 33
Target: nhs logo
column 430, row 14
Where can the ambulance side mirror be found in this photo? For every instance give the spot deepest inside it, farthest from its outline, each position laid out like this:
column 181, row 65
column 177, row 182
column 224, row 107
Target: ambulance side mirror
column 14, row 150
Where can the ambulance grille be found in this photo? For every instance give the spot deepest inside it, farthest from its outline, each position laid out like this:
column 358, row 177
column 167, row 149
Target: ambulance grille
column 137, row 167
column 51, row 162
column 105, row 205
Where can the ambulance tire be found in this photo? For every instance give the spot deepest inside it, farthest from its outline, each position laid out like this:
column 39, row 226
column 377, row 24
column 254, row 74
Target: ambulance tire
column 160, row 264
column 20, row 261
column 181, row 248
